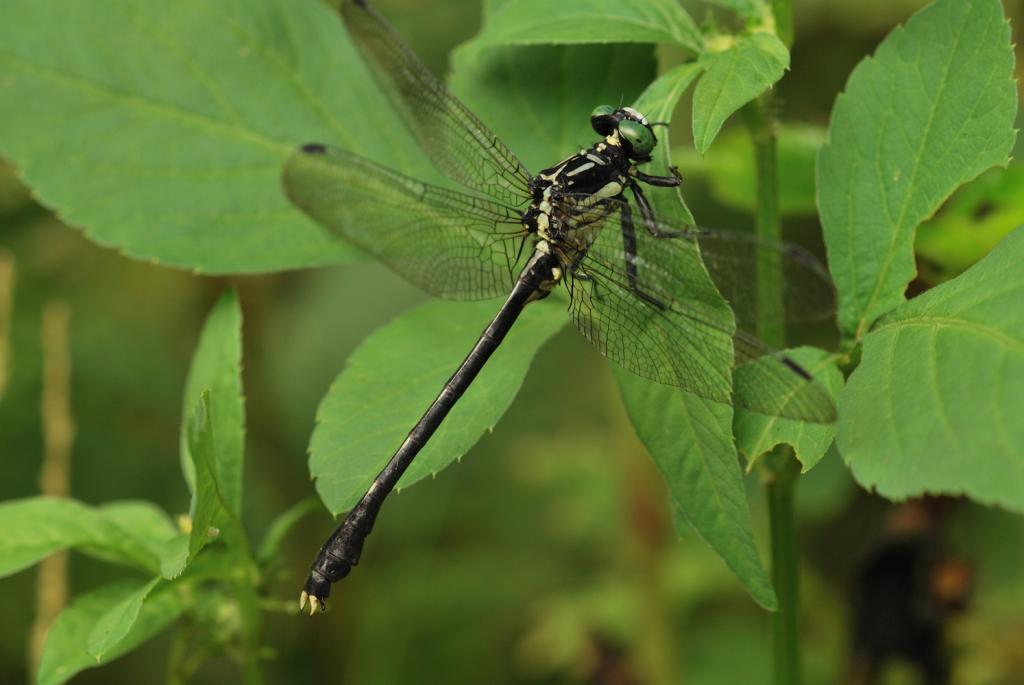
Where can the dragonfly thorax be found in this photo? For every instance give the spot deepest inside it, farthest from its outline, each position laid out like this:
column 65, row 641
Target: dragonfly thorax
column 569, row 195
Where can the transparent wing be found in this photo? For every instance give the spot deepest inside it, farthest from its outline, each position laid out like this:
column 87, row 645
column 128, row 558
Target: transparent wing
column 450, row 244
column 655, row 313
column 455, row 140
column 733, row 260
column 648, row 329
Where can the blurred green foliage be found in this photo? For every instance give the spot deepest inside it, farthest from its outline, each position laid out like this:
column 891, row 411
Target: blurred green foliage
column 548, row 555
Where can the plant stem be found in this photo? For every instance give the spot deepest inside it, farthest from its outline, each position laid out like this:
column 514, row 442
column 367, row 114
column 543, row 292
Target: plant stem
column 780, row 464
column 182, row 663
column 780, row 487
column 249, row 605
column 251, row 672
column 55, row 476
column 769, row 224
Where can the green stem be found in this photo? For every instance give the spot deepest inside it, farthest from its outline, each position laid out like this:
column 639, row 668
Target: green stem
column 769, row 223
column 251, row 672
column 781, row 485
column 179, row 646
column 249, row 605
column 781, row 465
column 184, row 658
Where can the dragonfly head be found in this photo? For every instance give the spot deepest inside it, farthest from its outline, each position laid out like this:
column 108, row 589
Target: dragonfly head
column 634, row 134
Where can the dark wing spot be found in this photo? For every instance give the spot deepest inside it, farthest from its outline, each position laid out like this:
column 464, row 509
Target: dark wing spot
column 796, row 368
column 314, row 149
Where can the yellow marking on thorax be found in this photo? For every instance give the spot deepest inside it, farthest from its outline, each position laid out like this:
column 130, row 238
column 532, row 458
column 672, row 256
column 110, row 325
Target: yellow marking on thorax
column 581, row 168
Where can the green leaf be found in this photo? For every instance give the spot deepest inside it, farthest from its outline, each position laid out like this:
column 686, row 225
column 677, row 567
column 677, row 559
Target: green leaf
column 36, row 527
column 210, row 506
column 65, row 653
column 657, row 103
column 161, row 128
column 217, row 366
column 174, row 556
column 690, row 441
column 933, row 108
column 690, row 438
column 757, row 434
column 539, row 99
column 735, row 75
column 391, row 379
column 150, row 526
column 729, row 170
column 532, row 22
column 973, row 221
column 935, row 405
column 115, row 624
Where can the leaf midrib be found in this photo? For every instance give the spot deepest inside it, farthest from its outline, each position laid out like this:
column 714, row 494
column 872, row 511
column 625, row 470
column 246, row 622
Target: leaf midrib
column 130, row 101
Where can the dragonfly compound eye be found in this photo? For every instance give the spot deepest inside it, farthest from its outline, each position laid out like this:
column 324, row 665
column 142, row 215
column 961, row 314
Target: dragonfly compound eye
column 639, row 138
column 603, row 119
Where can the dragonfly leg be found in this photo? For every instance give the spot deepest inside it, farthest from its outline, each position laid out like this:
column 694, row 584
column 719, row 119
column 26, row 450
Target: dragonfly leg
column 629, row 243
column 629, row 246
column 662, row 181
column 647, row 214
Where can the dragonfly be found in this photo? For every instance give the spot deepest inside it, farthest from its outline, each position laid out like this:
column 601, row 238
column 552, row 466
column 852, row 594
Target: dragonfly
column 509, row 233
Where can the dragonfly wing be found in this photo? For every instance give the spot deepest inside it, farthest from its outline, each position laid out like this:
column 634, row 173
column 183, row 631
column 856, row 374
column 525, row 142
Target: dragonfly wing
column 455, row 140
column 656, row 314
column 450, row 244
column 733, row 260
column 646, row 328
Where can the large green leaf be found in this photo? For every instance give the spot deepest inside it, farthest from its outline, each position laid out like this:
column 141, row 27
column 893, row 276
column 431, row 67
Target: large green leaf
column 161, row 127
column 531, row 22
column 689, row 437
column 657, row 103
column 933, row 108
column 36, row 527
column 937, row 401
column 217, row 366
column 690, row 441
column 65, row 652
column 538, row 99
column 758, row 433
column 392, row 378
column 746, row 67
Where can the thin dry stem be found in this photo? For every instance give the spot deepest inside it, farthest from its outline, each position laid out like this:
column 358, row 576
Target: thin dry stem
column 55, row 474
column 6, row 309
